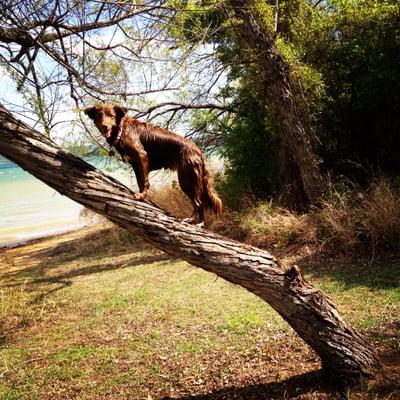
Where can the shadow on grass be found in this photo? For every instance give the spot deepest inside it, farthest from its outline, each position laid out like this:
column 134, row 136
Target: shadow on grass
column 62, row 279
column 377, row 275
column 298, row 385
column 86, row 250
column 313, row 385
column 92, row 245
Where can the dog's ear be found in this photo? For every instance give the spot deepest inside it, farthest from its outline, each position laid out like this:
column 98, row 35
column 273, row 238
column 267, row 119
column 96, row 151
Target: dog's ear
column 120, row 111
column 91, row 112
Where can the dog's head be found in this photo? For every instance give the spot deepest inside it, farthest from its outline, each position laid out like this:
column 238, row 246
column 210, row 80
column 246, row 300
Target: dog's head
column 106, row 117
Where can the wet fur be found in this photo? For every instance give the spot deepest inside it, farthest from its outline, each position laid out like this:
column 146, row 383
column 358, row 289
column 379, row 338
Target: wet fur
column 147, row 148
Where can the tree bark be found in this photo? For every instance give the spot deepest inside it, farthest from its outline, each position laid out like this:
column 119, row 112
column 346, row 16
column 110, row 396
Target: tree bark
column 294, row 131
column 343, row 351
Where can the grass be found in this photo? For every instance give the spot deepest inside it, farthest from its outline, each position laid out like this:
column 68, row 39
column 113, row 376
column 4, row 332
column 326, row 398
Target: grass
column 349, row 219
column 98, row 314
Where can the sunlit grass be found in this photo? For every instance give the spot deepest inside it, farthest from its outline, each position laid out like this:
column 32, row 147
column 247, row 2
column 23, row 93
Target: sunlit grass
column 116, row 317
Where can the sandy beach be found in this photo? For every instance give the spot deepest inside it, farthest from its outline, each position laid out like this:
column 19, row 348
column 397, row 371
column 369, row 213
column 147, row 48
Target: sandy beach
column 29, row 209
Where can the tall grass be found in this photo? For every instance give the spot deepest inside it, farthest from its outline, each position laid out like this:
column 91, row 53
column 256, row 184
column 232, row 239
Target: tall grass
column 353, row 218
column 171, row 199
column 348, row 219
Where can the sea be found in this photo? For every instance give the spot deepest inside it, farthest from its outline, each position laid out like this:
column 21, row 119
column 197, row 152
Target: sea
column 30, row 209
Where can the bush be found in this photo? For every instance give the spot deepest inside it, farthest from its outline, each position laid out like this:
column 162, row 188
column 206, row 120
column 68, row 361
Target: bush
column 349, row 218
column 360, row 218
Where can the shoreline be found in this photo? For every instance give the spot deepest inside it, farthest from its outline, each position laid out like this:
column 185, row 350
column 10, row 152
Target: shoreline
column 46, row 235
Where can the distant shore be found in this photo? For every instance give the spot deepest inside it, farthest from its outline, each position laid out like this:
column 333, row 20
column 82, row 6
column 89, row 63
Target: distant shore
column 32, row 210
column 46, row 235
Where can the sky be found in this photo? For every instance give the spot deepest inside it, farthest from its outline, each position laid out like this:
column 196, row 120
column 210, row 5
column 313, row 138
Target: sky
column 15, row 102
column 186, row 76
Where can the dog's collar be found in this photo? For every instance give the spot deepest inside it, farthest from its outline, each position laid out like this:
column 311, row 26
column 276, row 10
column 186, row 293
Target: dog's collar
column 117, row 139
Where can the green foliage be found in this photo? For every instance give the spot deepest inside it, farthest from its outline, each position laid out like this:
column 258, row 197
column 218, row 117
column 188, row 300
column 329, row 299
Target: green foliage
column 197, row 21
column 248, row 145
column 344, row 59
column 357, row 49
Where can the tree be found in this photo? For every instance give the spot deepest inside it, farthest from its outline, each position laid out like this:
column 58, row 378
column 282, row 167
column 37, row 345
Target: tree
column 261, row 84
column 344, row 353
column 355, row 47
column 345, row 57
column 339, row 61
column 63, row 35
column 46, row 47
column 65, row 51
column 325, row 91
column 293, row 127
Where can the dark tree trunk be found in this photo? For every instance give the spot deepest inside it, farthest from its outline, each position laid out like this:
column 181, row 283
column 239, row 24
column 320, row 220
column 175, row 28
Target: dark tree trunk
column 293, row 124
column 343, row 351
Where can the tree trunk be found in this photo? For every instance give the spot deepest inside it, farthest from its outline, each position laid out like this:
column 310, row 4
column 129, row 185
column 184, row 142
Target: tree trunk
column 294, row 130
column 343, row 351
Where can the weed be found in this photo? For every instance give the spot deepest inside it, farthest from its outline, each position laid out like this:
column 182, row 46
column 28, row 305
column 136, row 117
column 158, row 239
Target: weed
column 194, row 346
column 73, row 354
column 11, row 393
column 347, row 219
column 243, row 322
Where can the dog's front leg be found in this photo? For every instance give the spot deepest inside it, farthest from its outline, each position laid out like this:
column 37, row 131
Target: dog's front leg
column 142, row 174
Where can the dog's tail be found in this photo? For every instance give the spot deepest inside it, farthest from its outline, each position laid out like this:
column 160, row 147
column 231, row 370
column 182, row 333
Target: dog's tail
column 211, row 199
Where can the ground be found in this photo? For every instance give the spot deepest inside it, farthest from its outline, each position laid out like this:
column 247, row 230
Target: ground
column 98, row 314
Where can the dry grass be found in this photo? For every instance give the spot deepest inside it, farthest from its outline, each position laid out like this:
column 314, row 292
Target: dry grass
column 354, row 218
column 171, row 199
column 267, row 225
column 347, row 220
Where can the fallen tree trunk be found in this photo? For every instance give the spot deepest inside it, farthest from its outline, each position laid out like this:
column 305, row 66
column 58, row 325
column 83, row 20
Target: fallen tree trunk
column 343, row 351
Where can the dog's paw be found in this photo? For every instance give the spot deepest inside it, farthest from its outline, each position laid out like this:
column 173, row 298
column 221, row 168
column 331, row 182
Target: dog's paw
column 139, row 196
column 191, row 222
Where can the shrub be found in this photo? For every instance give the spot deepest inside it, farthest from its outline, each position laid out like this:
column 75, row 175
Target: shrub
column 349, row 218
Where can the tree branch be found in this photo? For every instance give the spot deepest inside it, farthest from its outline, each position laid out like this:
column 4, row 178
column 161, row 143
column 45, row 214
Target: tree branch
column 25, row 37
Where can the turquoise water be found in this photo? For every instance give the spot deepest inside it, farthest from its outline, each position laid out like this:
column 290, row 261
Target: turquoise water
column 29, row 208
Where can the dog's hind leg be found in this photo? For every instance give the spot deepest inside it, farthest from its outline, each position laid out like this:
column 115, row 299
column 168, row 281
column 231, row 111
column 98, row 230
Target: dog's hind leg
column 189, row 177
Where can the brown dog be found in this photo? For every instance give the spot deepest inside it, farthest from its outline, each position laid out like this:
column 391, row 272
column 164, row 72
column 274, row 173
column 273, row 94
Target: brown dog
column 147, row 147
